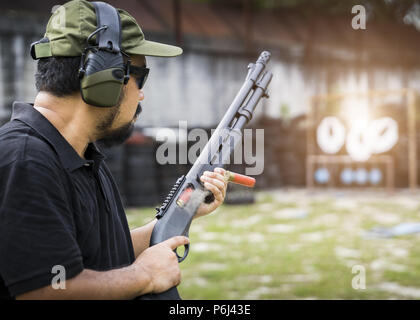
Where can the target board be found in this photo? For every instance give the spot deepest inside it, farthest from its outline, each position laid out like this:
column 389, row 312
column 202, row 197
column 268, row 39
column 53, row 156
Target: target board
column 362, row 140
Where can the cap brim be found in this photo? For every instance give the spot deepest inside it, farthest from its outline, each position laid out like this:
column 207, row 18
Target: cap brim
column 155, row 49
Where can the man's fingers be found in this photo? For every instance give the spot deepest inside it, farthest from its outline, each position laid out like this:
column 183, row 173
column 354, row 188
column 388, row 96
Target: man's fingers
column 220, row 170
column 177, row 241
column 216, row 191
column 217, row 182
column 215, row 175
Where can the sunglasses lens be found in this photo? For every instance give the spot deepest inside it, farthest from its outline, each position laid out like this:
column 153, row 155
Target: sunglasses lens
column 140, row 75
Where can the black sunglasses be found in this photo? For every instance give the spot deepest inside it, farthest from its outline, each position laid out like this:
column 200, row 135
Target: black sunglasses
column 140, row 75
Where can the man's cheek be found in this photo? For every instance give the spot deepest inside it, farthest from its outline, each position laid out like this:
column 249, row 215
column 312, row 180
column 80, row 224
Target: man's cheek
column 138, row 110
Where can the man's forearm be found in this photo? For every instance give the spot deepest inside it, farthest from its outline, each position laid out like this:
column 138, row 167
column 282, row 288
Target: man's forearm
column 141, row 237
column 123, row 283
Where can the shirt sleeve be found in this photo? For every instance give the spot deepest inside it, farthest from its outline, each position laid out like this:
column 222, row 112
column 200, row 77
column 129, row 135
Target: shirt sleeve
column 37, row 231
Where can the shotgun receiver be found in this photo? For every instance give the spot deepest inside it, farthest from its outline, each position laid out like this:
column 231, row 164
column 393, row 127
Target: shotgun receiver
column 181, row 204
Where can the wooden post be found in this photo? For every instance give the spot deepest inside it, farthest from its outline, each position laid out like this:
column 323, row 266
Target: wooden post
column 412, row 148
column 310, row 125
column 390, row 174
column 309, row 172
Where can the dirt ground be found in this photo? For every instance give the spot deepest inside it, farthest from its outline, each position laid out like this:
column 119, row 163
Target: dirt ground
column 295, row 244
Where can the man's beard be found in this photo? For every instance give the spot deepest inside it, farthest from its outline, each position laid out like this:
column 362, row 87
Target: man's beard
column 117, row 136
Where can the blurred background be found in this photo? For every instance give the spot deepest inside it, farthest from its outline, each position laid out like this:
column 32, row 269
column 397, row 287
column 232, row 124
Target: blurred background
column 335, row 214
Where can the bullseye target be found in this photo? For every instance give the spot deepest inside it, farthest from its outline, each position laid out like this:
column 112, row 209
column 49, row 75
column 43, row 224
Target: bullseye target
column 346, row 176
column 383, row 134
column 331, row 135
column 322, row 175
column 375, row 176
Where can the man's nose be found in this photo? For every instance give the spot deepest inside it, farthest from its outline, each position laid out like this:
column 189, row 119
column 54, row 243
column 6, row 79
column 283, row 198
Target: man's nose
column 141, row 95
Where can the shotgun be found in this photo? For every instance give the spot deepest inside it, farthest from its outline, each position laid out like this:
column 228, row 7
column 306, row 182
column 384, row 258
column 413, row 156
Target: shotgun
column 177, row 211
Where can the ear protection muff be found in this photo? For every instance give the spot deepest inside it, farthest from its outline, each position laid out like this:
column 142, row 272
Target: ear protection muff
column 103, row 72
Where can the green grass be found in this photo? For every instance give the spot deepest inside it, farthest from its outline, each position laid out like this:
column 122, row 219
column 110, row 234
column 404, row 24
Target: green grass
column 253, row 252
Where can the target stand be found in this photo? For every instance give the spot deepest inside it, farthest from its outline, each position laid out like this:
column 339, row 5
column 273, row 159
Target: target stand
column 334, row 171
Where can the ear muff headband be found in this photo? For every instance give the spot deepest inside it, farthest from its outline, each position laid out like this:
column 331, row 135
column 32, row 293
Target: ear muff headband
column 103, row 72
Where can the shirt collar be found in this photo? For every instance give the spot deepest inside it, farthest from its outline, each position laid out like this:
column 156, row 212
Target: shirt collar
column 70, row 159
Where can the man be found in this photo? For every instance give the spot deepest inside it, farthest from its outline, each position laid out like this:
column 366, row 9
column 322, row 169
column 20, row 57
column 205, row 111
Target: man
column 60, row 210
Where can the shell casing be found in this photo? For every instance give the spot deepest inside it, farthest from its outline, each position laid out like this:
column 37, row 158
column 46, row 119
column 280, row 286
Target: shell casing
column 184, row 197
column 239, row 179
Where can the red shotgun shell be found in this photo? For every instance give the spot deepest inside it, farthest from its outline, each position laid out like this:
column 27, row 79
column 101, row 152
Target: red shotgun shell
column 240, row 179
column 184, row 197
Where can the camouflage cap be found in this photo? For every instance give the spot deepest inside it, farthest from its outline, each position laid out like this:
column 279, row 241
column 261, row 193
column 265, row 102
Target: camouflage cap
column 70, row 25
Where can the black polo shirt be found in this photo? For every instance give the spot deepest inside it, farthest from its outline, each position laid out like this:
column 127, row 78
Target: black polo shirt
column 56, row 208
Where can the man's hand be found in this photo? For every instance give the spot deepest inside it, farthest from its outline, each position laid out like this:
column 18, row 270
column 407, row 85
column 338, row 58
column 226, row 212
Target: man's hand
column 154, row 271
column 216, row 183
column 161, row 265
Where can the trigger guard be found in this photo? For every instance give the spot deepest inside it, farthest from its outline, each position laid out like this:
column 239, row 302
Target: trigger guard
column 187, row 248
